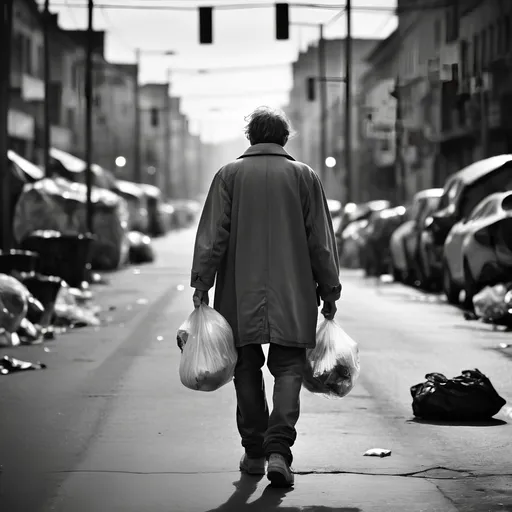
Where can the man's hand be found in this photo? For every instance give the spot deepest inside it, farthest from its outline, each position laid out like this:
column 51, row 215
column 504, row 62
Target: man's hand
column 200, row 297
column 329, row 309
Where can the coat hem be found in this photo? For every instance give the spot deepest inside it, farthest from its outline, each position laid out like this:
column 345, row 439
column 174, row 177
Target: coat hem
column 264, row 340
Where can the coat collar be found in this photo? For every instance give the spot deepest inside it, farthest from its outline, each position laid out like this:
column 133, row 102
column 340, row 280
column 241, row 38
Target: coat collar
column 266, row 148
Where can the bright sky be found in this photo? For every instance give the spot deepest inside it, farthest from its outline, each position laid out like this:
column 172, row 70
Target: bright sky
column 217, row 101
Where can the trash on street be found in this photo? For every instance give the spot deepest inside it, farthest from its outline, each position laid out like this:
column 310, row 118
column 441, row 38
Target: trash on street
column 470, row 396
column 377, row 452
column 69, row 312
column 141, row 248
column 13, row 303
column 11, row 365
column 333, row 365
column 209, row 355
column 491, row 304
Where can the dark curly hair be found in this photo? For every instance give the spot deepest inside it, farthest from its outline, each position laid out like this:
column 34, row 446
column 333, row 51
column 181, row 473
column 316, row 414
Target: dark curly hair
column 266, row 124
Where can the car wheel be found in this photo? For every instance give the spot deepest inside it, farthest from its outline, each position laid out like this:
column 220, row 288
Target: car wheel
column 470, row 287
column 449, row 287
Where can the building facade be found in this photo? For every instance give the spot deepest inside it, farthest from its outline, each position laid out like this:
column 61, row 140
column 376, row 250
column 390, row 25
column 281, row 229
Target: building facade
column 27, row 86
column 305, row 115
column 476, row 102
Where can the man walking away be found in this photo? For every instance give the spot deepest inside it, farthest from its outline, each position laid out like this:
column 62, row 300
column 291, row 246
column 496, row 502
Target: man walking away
column 266, row 234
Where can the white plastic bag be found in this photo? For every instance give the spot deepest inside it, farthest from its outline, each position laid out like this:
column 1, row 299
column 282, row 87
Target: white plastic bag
column 333, row 365
column 209, row 354
column 490, row 303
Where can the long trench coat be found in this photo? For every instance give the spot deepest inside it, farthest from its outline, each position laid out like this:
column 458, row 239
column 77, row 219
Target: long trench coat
column 266, row 235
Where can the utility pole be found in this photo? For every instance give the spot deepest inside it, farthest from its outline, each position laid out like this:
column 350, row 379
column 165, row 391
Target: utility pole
column 88, row 115
column 323, row 102
column 348, row 102
column 167, row 136
column 5, row 87
column 47, row 80
column 399, row 131
column 484, row 127
column 137, row 164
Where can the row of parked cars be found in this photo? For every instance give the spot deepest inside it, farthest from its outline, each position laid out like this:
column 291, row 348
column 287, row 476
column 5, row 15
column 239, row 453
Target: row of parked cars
column 451, row 239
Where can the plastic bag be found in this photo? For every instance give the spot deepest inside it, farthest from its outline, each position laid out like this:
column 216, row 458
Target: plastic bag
column 13, row 303
column 332, row 367
column 209, row 354
column 490, row 303
column 470, row 396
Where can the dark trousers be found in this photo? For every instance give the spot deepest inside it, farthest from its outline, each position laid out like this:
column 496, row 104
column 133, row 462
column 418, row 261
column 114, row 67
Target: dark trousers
column 263, row 434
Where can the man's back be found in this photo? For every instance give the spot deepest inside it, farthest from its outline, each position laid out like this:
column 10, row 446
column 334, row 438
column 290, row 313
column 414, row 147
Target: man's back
column 279, row 229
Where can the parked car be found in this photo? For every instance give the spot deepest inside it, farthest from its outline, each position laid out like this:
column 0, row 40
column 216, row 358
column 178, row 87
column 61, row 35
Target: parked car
column 478, row 250
column 156, row 226
column 462, row 192
column 404, row 243
column 352, row 242
column 137, row 203
column 336, row 212
column 355, row 213
column 376, row 239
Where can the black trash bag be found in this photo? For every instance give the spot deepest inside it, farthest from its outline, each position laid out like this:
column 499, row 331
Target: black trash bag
column 141, row 248
column 11, row 365
column 468, row 397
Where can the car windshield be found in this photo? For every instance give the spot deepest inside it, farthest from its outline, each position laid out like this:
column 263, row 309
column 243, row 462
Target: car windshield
column 497, row 181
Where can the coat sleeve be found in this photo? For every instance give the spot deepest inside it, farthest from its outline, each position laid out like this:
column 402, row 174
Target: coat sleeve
column 212, row 235
column 323, row 251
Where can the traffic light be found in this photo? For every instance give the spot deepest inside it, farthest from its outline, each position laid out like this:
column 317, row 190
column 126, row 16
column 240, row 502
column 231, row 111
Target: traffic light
column 311, row 89
column 282, row 22
column 205, row 25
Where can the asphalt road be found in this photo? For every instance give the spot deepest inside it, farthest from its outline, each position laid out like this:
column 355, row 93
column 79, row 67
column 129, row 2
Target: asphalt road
column 108, row 426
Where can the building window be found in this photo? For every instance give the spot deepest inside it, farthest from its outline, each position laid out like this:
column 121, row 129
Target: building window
column 40, row 61
column 27, row 55
column 154, row 117
column 437, row 34
column 506, row 33
column 452, row 23
column 499, row 38
column 476, row 54
column 464, row 59
column 483, row 48
column 492, row 44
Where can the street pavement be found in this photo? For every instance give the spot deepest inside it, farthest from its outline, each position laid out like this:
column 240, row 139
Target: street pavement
column 108, row 427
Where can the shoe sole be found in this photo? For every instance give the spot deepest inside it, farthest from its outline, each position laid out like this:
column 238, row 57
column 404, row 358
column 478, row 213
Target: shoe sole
column 279, row 479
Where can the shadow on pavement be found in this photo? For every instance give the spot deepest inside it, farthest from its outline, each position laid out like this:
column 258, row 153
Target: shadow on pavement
column 269, row 501
column 488, row 423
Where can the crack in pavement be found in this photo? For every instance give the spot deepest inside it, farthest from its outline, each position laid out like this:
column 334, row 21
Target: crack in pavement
column 413, row 474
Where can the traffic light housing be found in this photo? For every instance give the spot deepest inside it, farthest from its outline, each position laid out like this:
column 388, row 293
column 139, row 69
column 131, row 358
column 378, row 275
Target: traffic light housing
column 311, row 86
column 282, row 22
column 205, row 25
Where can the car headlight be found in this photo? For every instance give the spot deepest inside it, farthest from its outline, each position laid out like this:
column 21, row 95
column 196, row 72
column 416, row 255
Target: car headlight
column 429, row 221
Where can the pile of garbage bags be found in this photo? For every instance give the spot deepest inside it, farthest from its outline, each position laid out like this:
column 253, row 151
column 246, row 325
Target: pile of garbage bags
column 468, row 397
column 60, row 205
column 25, row 319
column 494, row 304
